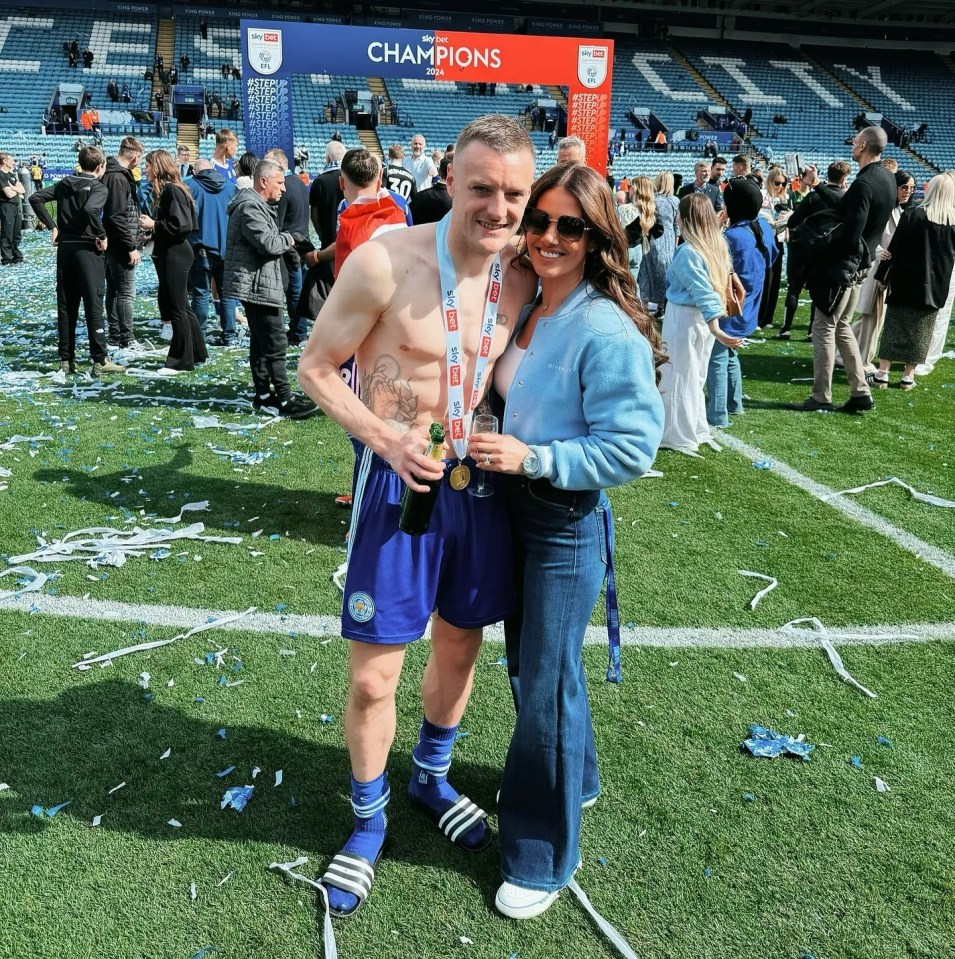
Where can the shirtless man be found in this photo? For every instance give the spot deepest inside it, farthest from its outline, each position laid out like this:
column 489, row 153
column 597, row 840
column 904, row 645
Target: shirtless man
column 386, row 309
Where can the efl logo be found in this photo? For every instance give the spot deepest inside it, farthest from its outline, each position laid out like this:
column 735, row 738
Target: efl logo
column 591, row 65
column 495, row 292
column 455, row 377
column 452, row 320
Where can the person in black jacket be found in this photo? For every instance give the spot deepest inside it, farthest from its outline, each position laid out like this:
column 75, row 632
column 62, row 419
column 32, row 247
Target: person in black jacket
column 824, row 196
column 834, row 281
column 12, row 192
column 80, row 242
column 292, row 216
column 921, row 258
column 121, row 222
column 429, row 206
column 174, row 219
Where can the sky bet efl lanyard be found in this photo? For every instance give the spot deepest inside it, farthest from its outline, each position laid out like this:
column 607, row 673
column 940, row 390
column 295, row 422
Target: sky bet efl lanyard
column 459, row 414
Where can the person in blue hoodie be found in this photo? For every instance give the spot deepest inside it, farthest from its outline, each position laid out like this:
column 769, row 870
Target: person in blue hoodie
column 212, row 193
column 753, row 250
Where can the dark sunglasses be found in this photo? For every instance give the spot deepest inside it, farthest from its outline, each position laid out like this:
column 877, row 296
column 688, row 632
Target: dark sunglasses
column 568, row 227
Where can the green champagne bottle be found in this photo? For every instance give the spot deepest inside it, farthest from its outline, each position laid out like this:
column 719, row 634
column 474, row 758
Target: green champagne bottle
column 416, row 508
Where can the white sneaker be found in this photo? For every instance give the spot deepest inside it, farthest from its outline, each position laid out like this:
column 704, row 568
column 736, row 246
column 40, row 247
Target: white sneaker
column 165, row 333
column 515, row 902
column 166, row 371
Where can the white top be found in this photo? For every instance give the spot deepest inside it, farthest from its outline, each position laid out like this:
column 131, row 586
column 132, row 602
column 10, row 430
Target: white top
column 506, row 367
column 423, row 169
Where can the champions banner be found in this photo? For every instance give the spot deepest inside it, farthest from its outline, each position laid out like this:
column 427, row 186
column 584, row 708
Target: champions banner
column 272, row 51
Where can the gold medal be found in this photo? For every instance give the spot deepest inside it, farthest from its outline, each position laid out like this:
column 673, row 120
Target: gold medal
column 460, row 477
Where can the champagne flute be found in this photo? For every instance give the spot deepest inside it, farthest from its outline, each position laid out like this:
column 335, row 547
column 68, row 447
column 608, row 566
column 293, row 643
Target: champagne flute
column 483, row 423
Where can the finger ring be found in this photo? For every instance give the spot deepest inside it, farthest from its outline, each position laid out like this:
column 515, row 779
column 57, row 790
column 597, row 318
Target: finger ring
column 487, row 459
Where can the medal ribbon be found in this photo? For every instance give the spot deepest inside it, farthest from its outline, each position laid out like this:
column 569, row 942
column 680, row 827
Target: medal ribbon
column 459, row 413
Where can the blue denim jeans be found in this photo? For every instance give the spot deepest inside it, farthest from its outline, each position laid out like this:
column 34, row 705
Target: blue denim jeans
column 208, row 264
column 560, row 549
column 297, row 325
column 724, row 385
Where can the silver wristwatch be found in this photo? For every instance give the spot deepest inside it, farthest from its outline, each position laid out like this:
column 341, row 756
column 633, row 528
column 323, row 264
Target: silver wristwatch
column 531, row 465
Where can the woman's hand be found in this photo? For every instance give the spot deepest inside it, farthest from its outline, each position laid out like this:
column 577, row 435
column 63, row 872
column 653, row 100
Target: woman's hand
column 730, row 341
column 146, row 222
column 498, row 453
column 885, row 255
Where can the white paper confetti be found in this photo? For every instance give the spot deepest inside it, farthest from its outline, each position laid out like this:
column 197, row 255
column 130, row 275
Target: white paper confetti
column 116, row 789
column 37, row 581
column 279, row 775
column 882, row 785
column 773, row 583
column 166, row 754
column 97, row 820
column 174, row 823
column 894, row 480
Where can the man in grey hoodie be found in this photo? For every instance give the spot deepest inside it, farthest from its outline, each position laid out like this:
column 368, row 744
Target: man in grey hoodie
column 253, row 275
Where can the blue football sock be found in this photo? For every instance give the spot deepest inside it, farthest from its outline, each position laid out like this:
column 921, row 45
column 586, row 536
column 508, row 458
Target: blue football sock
column 368, row 800
column 429, row 780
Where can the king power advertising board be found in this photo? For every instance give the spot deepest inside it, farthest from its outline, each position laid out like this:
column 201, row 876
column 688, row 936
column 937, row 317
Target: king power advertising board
column 273, row 51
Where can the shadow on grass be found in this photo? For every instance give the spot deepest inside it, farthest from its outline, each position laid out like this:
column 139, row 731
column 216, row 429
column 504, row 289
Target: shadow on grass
column 92, row 737
column 307, row 514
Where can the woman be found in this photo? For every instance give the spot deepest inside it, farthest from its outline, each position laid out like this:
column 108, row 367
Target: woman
column 174, row 218
column 777, row 208
column 245, row 168
column 921, row 258
column 871, row 304
column 642, row 228
column 696, row 302
column 653, row 270
column 581, row 412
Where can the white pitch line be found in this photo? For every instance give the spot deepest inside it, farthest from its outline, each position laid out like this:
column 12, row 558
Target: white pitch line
column 185, row 617
column 926, row 552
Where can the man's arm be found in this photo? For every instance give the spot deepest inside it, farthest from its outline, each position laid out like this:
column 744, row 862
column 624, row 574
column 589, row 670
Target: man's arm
column 855, row 211
column 38, row 202
column 361, row 294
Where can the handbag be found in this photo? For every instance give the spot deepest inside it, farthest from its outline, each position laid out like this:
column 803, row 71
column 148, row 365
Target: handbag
column 735, row 295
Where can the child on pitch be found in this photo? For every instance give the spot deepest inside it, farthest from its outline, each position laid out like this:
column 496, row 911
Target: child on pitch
column 753, row 250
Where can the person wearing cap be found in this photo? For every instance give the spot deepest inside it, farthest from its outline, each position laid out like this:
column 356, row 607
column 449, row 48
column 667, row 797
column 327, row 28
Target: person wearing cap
column 753, row 251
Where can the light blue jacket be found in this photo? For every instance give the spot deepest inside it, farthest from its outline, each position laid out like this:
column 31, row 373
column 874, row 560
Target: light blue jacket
column 688, row 283
column 584, row 397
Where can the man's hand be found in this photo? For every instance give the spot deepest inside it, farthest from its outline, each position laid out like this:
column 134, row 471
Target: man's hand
column 101, row 243
column 55, row 236
column 406, row 456
column 135, row 257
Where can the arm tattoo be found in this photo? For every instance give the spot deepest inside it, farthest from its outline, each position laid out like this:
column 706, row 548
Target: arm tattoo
column 502, row 318
column 387, row 396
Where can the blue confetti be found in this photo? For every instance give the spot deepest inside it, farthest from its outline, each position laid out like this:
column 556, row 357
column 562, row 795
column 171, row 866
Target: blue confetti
column 602, row 860
column 279, row 607
column 200, row 699
column 221, row 733
column 763, row 464
column 148, row 697
column 237, row 797
column 884, row 741
column 225, row 772
column 274, row 536
column 462, row 734
column 749, row 797
column 766, row 743
column 856, row 762
column 707, row 872
column 204, row 951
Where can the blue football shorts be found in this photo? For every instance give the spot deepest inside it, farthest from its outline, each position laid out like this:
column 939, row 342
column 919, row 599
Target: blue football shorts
column 462, row 567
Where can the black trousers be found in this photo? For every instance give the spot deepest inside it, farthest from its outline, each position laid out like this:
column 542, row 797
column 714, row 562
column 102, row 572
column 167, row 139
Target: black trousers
column 172, row 270
column 268, row 345
column 767, row 306
column 80, row 276
column 11, row 226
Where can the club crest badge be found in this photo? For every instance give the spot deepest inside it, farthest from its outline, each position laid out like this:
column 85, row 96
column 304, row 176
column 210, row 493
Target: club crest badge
column 361, row 607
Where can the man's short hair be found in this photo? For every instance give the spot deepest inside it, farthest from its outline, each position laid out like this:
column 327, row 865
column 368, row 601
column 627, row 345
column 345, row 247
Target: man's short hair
column 742, row 160
column 90, row 158
column 499, row 133
column 334, row 151
column 278, row 155
column 838, row 172
column 443, row 166
column 573, row 143
column 225, row 135
column 202, row 164
column 360, row 167
column 130, row 146
column 874, row 138
column 265, row 169
column 702, row 165
column 396, row 152
column 182, row 148
column 719, row 160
